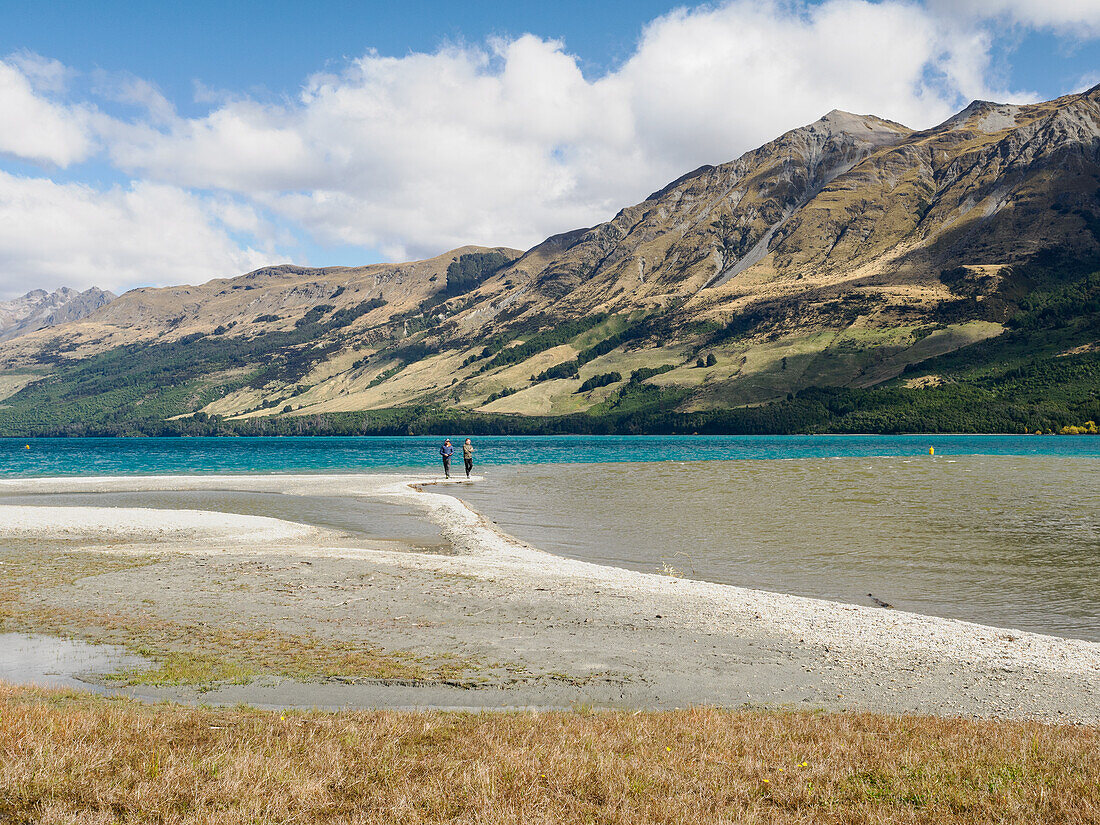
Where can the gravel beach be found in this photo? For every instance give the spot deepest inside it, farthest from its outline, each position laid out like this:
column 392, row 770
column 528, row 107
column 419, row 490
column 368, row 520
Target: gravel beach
column 534, row 629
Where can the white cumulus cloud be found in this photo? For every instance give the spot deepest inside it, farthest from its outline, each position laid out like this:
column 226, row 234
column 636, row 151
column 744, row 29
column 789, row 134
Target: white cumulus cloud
column 510, row 142
column 54, row 234
column 504, row 142
column 1079, row 18
column 35, row 128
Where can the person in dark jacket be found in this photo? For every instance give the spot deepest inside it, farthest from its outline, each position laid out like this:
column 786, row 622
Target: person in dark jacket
column 447, row 451
column 468, row 456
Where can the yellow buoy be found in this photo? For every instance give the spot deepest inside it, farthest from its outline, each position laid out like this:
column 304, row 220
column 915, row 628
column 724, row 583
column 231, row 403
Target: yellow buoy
column 931, row 451
column 26, row 446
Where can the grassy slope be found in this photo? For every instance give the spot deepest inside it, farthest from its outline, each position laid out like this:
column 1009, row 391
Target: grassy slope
column 811, row 381
column 73, row 758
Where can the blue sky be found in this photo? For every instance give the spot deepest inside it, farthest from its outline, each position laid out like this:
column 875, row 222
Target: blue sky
column 148, row 143
column 274, row 45
column 268, row 48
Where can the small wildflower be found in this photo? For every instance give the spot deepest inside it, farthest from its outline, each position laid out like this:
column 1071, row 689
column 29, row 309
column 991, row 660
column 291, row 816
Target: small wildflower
column 667, row 748
column 766, row 781
column 804, row 765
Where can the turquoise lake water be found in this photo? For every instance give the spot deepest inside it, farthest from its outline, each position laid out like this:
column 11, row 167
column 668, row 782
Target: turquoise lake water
column 146, row 456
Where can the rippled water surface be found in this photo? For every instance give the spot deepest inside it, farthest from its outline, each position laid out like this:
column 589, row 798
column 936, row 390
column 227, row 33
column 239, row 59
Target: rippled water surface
column 1008, row 541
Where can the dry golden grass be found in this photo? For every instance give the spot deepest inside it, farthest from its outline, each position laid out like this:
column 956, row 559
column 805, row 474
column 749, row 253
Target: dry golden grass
column 73, row 758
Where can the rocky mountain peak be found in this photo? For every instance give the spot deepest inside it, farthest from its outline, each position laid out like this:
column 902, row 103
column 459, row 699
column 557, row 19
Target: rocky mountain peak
column 983, row 116
column 867, row 127
column 39, row 309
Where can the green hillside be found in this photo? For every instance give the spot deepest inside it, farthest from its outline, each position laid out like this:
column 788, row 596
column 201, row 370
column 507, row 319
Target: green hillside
column 1042, row 374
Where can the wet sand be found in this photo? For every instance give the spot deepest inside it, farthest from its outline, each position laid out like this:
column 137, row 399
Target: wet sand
column 548, row 631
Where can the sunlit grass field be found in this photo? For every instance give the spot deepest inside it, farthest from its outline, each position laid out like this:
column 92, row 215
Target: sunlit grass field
column 74, row 758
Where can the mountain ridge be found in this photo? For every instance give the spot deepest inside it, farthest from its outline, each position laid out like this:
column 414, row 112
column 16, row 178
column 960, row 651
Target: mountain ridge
column 843, row 254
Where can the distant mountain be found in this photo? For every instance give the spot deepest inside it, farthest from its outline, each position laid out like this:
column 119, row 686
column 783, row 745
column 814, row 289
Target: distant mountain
column 852, row 274
column 707, row 227
column 848, row 204
column 39, row 309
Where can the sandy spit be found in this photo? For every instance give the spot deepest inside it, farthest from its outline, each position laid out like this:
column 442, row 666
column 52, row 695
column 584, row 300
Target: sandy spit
column 145, row 525
column 576, row 632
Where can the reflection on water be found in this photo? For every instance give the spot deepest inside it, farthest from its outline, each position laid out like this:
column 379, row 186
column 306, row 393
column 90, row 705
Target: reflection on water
column 1008, row 541
column 49, row 662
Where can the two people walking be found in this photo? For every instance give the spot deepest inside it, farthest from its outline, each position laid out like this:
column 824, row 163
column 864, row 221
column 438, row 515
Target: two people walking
column 447, row 450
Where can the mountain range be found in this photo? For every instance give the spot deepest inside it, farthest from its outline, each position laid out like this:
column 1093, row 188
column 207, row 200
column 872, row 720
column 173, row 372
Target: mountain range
column 851, row 275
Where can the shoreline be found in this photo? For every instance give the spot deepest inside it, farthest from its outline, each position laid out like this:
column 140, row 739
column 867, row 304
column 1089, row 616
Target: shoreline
column 556, row 632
